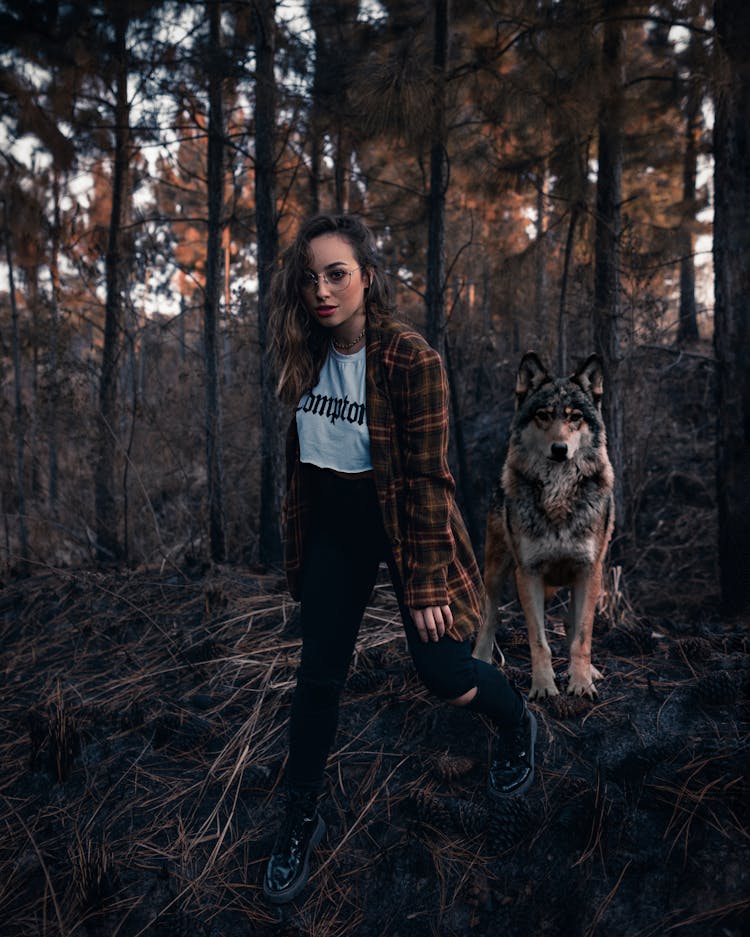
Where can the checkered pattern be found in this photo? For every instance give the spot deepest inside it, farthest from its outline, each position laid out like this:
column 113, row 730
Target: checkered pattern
column 407, row 416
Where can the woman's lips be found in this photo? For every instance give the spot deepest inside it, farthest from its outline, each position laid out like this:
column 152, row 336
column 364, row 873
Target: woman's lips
column 325, row 310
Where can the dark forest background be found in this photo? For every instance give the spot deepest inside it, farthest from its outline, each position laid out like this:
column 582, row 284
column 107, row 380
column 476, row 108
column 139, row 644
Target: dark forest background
column 563, row 176
column 558, row 175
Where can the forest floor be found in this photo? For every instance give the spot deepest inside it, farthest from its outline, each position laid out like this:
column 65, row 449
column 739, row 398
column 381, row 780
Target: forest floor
column 142, row 740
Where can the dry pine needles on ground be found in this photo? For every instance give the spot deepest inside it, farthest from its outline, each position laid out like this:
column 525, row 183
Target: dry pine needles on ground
column 142, row 742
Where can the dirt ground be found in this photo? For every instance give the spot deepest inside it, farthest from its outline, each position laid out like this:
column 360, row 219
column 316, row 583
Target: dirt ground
column 142, row 739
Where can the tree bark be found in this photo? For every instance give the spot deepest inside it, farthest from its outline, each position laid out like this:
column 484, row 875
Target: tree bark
column 18, row 401
column 608, row 324
column 540, row 269
column 266, row 223
column 732, row 309
column 215, row 193
column 54, row 347
column 562, row 320
column 106, row 509
column 435, row 292
column 687, row 328
column 333, row 23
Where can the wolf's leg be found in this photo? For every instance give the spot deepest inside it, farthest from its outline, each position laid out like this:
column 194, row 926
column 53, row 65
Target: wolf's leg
column 584, row 593
column 485, row 641
column 531, row 595
column 498, row 563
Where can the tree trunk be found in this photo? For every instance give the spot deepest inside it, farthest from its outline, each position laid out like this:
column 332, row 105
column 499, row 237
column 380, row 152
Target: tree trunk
column 333, row 23
column 266, row 223
column 32, row 301
column 732, row 287
column 19, row 414
column 107, row 514
column 215, row 193
column 608, row 325
column 459, row 445
column 562, row 320
column 54, row 343
column 687, row 329
column 435, row 298
column 540, row 270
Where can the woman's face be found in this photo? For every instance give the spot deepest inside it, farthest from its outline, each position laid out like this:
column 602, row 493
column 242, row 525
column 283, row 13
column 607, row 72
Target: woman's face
column 335, row 293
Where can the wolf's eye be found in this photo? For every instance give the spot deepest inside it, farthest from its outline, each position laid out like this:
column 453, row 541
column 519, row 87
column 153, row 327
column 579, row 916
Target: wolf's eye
column 575, row 416
column 544, row 416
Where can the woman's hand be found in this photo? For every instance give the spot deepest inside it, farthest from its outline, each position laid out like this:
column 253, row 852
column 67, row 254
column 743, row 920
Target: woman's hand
column 431, row 622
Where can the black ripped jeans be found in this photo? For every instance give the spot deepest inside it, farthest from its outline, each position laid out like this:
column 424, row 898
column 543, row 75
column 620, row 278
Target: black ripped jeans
column 345, row 545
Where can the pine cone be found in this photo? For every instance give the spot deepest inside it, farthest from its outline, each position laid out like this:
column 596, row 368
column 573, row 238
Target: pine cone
column 431, row 810
column 470, row 818
column 515, row 674
column 509, row 822
column 624, row 640
column 565, row 706
column 719, row 688
column 449, row 767
column 692, row 649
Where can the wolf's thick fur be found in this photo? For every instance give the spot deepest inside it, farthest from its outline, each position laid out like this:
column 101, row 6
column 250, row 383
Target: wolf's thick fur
column 552, row 515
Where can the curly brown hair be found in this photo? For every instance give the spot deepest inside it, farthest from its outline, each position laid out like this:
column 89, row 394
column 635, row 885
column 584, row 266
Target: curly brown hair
column 298, row 344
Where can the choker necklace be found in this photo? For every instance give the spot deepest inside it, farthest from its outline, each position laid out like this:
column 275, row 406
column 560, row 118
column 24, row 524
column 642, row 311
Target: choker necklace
column 342, row 346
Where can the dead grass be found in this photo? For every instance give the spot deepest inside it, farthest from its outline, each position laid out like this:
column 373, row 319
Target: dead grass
column 142, row 742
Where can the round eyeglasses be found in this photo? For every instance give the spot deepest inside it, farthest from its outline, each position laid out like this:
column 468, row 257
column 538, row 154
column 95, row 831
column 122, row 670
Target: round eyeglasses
column 338, row 280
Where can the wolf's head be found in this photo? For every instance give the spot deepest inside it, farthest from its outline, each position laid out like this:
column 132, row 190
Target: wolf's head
column 559, row 419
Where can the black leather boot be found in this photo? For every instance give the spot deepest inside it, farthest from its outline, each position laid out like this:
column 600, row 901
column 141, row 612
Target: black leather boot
column 512, row 759
column 289, row 866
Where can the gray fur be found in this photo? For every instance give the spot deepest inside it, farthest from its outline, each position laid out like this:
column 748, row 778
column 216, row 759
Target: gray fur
column 553, row 514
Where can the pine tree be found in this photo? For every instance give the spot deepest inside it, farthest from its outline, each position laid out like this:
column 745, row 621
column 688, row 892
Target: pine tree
column 213, row 287
column 266, row 226
column 732, row 317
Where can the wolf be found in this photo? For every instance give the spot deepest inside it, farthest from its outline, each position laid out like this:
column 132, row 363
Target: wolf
column 551, row 516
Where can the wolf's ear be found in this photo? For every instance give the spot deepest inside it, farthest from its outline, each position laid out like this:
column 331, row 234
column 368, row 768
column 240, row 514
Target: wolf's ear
column 590, row 377
column 531, row 375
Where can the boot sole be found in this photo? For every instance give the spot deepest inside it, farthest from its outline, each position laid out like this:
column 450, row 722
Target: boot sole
column 530, row 779
column 291, row 891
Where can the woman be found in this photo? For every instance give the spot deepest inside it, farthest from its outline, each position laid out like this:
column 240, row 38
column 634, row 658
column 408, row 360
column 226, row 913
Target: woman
column 368, row 480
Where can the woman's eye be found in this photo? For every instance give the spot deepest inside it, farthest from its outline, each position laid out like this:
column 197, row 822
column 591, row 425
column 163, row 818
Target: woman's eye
column 336, row 276
column 309, row 279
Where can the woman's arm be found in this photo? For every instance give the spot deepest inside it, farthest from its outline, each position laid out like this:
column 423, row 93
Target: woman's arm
column 421, row 407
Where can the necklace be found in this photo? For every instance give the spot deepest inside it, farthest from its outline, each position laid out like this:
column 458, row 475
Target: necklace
column 342, row 346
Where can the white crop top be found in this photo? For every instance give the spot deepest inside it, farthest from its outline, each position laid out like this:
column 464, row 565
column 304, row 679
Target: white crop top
column 332, row 418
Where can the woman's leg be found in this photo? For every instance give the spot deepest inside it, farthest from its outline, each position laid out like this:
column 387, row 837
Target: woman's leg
column 338, row 581
column 447, row 669
column 340, row 566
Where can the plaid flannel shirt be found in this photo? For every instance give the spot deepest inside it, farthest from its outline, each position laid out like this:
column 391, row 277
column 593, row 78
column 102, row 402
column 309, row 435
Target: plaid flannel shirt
column 407, row 417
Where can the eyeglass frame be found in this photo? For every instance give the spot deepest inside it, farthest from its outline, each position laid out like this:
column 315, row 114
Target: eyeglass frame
column 313, row 279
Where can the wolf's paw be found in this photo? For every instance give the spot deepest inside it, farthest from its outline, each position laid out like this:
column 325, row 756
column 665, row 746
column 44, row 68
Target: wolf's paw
column 542, row 688
column 583, row 687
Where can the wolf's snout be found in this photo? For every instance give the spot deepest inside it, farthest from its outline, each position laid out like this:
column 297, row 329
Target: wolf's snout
column 559, row 451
